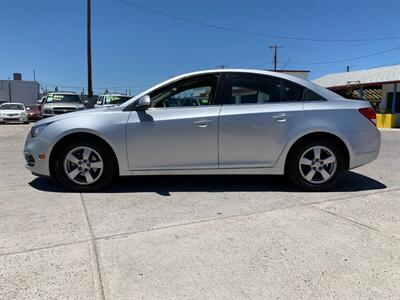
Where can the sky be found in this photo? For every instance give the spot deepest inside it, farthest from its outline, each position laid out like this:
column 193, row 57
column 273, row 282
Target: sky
column 137, row 47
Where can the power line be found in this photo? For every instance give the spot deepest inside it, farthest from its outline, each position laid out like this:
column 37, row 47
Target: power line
column 284, row 66
column 339, row 60
column 237, row 30
column 72, row 86
column 348, row 59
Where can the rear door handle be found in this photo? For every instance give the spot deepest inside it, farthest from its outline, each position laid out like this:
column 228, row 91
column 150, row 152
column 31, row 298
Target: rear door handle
column 280, row 117
column 202, row 123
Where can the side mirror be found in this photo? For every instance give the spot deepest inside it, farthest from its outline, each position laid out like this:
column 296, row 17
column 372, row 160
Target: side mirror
column 143, row 103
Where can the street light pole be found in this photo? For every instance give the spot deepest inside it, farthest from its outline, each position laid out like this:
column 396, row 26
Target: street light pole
column 89, row 50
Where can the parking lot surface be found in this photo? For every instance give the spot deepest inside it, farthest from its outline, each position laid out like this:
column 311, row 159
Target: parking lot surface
column 199, row 237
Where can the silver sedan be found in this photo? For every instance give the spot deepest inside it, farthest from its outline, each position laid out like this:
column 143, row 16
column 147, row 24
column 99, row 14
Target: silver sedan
column 210, row 122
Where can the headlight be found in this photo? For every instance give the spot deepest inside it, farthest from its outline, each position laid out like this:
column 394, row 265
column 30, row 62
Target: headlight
column 38, row 129
column 23, row 114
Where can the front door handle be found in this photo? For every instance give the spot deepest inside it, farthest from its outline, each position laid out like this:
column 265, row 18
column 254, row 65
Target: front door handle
column 202, row 123
column 280, row 117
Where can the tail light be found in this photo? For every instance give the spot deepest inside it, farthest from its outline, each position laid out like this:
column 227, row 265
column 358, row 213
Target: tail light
column 369, row 113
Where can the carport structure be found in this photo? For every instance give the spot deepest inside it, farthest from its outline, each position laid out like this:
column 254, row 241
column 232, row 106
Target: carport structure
column 378, row 85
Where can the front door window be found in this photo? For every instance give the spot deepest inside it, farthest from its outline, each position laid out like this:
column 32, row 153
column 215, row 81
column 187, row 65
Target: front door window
column 188, row 93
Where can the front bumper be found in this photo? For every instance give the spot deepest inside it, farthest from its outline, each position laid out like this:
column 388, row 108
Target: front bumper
column 37, row 155
column 14, row 119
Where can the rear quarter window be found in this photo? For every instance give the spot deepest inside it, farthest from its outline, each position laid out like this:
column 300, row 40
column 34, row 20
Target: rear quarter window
column 312, row 96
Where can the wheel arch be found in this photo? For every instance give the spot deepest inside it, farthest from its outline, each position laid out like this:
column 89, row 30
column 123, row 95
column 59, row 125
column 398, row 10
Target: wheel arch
column 74, row 136
column 342, row 143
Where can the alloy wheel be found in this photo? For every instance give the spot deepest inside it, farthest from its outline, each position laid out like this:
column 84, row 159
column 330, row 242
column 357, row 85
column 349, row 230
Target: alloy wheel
column 83, row 165
column 317, row 164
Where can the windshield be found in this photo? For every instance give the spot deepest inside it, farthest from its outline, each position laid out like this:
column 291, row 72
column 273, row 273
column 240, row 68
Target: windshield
column 12, row 106
column 53, row 98
column 116, row 99
column 31, row 107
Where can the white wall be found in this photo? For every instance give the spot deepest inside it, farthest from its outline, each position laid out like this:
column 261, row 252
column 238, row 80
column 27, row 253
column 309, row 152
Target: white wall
column 387, row 88
column 21, row 91
column 302, row 75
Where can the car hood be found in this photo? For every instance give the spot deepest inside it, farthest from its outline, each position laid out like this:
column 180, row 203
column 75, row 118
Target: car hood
column 11, row 111
column 75, row 114
column 64, row 104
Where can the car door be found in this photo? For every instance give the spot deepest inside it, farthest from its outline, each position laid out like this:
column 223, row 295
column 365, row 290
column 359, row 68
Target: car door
column 256, row 120
column 179, row 130
column 99, row 102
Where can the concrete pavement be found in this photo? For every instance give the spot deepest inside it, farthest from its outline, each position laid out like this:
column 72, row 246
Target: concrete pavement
column 197, row 237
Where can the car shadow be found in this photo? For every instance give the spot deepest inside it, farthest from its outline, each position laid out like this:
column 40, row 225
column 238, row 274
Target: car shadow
column 163, row 185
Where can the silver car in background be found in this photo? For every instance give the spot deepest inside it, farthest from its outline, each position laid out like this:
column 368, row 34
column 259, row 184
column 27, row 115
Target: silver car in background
column 60, row 103
column 210, row 122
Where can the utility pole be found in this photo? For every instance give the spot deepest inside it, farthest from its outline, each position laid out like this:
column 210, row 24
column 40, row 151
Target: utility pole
column 348, row 67
column 9, row 89
column 89, row 49
column 34, row 75
column 275, row 54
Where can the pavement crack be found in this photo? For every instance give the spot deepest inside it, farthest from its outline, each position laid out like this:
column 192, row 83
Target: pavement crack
column 354, row 222
column 43, row 248
column 388, row 190
column 310, row 205
column 94, row 246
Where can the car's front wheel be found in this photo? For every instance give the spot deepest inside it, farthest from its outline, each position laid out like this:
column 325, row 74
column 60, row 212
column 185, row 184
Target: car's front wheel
column 316, row 165
column 83, row 166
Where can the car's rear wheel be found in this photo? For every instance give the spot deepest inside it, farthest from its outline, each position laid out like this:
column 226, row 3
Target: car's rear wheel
column 83, row 166
column 316, row 165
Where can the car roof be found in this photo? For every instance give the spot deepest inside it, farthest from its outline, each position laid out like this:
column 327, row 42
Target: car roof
column 306, row 83
column 13, row 103
column 63, row 93
column 115, row 95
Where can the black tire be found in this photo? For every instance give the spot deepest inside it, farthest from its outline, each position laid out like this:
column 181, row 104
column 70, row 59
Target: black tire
column 293, row 169
column 104, row 179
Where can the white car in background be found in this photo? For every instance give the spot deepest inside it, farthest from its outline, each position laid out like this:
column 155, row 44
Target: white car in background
column 13, row 112
column 108, row 100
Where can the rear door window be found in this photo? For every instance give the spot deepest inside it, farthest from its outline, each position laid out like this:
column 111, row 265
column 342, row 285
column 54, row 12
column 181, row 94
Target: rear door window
column 260, row 89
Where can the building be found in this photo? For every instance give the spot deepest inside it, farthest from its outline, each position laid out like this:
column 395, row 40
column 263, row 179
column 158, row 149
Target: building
column 18, row 90
column 378, row 85
column 303, row 74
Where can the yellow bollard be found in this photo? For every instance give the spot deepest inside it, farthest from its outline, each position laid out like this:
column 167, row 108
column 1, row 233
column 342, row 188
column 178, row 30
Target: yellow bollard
column 386, row 120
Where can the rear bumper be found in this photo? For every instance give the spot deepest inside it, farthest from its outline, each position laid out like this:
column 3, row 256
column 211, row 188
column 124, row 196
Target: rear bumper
column 33, row 117
column 365, row 147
